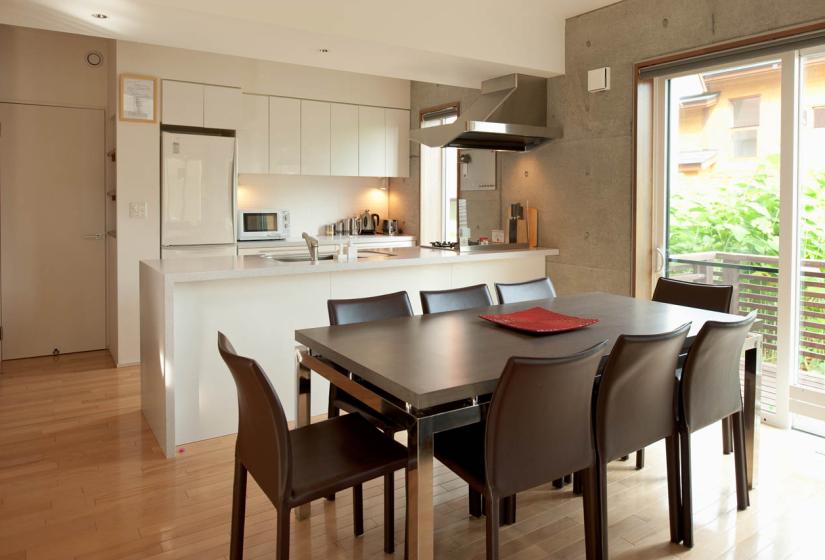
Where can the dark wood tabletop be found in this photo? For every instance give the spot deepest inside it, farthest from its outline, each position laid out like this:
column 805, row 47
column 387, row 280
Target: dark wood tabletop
column 429, row 360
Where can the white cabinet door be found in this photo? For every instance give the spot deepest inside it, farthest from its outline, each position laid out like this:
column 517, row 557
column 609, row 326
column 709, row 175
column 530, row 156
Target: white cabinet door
column 372, row 142
column 221, row 107
column 344, row 140
column 284, row 135
column 315, row 137
column 398, row 142
column 182, row 103
column 253, row 134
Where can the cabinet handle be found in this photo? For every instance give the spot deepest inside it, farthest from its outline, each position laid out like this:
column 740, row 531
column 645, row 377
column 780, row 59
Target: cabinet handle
column 93, row 236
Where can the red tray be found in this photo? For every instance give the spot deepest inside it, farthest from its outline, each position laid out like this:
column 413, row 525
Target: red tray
column 538, row 320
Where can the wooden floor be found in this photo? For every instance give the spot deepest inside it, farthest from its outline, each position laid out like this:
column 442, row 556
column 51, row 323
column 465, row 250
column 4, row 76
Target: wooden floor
column 81, row 476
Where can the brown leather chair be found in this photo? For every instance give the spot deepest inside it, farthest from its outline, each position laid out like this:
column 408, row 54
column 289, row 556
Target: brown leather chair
column 439, row 301
column 710, row 391
column 540, row 288
column 538, row 428
column 701, row 296
column 634, row 407
column 295, row 467
column 361, row 310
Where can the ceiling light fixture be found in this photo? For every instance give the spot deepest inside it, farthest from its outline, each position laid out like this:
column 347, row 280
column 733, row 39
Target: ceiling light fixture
column 100, row 16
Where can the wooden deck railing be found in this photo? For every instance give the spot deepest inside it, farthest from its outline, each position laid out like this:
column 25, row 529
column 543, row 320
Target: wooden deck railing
column 755, row 280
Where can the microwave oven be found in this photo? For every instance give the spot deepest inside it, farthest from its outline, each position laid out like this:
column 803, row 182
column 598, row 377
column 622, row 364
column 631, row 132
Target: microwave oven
column 262, row 223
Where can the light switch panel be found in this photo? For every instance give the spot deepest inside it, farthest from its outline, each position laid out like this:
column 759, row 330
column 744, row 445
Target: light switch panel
column 598, row 79
column 137, row 210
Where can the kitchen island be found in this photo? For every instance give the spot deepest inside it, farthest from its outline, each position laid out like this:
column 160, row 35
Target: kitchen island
column 188, row 395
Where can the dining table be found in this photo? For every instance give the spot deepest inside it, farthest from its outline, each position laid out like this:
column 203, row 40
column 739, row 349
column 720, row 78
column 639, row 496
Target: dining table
column 436, row 372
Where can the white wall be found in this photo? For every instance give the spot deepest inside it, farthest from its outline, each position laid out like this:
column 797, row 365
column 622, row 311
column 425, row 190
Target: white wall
column 313, row 201
column 138, row 165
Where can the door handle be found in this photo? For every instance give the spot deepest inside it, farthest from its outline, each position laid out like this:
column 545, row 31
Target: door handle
column 93, row 236
column 660, row 257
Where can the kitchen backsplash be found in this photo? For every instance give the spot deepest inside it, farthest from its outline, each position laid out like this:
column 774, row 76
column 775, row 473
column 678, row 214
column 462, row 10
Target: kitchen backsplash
column 313, row 201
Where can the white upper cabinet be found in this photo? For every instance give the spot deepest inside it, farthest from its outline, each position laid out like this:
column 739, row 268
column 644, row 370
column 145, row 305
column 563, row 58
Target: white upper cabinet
column 398, row 142
column 221, row 107
column 189, row 104
column 253, row 134
column 372, row 142
column 344, row 140
column 315, row 138
column 284, row 135
column 182, row 103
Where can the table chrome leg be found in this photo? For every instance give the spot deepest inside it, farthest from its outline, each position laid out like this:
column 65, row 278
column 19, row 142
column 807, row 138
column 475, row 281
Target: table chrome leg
column 753, row 409
column 303, row 408
column 420, row 491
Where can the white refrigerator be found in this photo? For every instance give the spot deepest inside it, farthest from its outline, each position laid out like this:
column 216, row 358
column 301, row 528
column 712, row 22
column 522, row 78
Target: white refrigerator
column 197, row 195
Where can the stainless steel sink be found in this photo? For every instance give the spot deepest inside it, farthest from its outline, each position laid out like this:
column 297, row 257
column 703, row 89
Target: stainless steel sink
column 298, row 258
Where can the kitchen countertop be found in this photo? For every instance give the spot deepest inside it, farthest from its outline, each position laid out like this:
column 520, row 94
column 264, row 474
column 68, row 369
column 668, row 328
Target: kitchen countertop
column 325, row 240
column 200, row 269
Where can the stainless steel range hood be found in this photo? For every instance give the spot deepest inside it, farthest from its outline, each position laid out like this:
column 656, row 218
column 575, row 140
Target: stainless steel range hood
column 510, row 115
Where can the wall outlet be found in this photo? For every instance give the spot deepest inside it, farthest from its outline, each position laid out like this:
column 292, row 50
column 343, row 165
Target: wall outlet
column 137, row 210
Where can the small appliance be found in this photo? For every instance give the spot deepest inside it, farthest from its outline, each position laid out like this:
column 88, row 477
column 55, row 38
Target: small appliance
column 263, row 223
column 368, row 223
column 390, row 227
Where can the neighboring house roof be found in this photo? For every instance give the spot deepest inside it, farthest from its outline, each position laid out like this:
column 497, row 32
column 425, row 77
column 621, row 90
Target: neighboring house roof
column 696, row 160
column 699, row 101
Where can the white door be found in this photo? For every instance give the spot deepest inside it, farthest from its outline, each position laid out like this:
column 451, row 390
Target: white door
column 197, row 191
column 52, row 237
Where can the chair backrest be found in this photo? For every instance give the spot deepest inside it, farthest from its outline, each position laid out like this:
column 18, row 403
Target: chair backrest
column 636, row 396
column 710, row 378
column 540, row 288
column 439, row 301
column 539, row 422
column 361, row 310
column 263, row 444
column 691, row 294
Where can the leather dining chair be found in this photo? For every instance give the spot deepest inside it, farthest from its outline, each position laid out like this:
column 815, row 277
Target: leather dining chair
column 634, row 406
column 538, row 428
column 701, row 296
column 540, row 288
column 440, row 301
column 708, row 392
column 298, row 466
column 361, row 310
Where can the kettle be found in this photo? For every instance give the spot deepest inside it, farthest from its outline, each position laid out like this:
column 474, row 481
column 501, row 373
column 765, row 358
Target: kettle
column 368, row 223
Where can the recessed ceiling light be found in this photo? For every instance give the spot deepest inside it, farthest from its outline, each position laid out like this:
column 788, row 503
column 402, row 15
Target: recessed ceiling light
column 323, row 51
column 100, row 16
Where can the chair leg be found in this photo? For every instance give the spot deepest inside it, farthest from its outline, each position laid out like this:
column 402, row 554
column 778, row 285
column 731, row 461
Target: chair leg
column 508, row 510
column 282, row 544
column 687, row 490
column 600, row 497
column 358, row 509
column 389, row 513
column 577, row 483
column 493, row 505
column 238, row 512
column 673, row 488
column 739, row 457
column 624, row 458
column 594, row 544
column 640, row 459
column 475, row 503
column 727, row 436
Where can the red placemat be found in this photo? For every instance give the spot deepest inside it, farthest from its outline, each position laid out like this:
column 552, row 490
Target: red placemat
column 538, row 320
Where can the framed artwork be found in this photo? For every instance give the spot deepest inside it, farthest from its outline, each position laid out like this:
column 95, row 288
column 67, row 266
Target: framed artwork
column 138, row 98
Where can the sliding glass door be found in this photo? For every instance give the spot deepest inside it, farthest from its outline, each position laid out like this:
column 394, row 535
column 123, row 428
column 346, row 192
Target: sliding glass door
column 742, row 191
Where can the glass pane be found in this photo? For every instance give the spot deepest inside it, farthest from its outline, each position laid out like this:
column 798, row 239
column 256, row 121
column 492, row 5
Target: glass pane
column 811, row 372
column 723, row 190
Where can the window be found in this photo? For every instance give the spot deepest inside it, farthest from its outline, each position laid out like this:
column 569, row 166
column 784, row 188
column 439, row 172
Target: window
column 439, row 180
column 744, row 143
column 819, row 117
column 745, row 111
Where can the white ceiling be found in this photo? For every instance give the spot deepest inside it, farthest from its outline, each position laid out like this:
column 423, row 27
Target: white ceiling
column 457, row 42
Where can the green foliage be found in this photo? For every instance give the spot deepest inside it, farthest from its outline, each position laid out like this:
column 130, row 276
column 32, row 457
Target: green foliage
column 743, row 217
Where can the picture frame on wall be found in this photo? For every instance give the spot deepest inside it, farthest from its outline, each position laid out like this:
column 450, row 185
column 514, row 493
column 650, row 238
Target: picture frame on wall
column 138, row 98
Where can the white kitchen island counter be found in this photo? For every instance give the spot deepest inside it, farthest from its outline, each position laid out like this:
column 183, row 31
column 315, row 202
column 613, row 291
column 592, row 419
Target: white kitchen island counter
column 187, row 394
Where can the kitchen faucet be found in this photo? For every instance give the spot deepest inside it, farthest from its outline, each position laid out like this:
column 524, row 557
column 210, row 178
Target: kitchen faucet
column 312, row 246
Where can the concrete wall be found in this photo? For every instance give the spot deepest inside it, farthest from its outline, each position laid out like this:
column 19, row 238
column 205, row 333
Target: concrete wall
column 582, row 183
column 138, row 163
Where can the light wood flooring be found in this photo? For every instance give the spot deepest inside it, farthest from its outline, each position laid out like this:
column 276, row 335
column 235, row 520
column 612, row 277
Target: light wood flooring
column 81, row 476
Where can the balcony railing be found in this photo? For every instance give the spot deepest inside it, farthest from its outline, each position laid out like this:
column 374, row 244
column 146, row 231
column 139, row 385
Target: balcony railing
column 755, row 280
